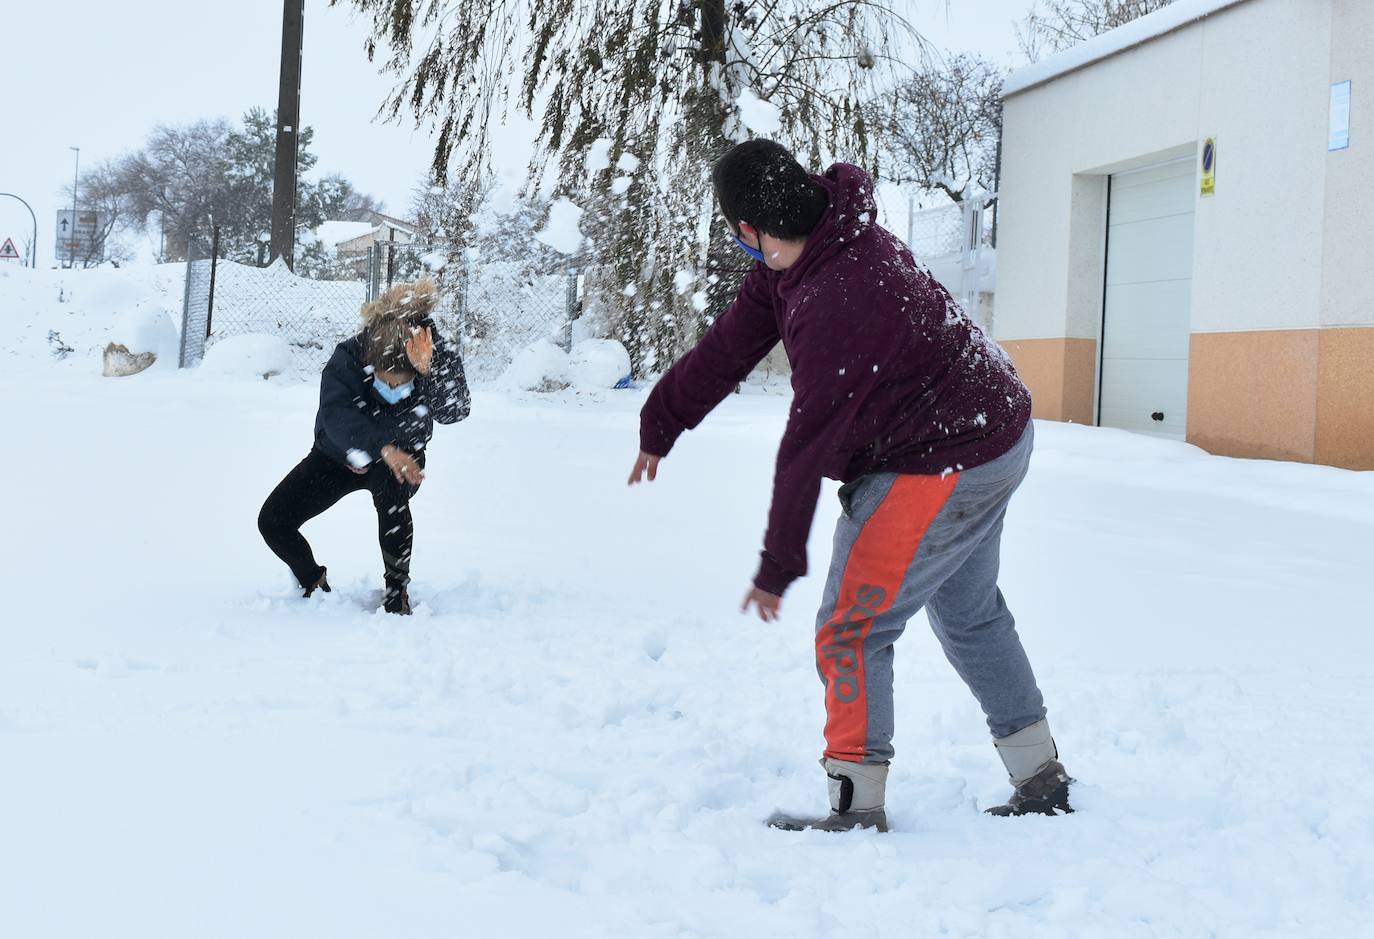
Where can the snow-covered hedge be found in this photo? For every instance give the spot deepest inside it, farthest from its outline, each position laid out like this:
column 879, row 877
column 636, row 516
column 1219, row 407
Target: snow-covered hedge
column 251, row 355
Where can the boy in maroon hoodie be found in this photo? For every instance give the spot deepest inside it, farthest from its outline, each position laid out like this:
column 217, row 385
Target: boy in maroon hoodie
column 898, row 394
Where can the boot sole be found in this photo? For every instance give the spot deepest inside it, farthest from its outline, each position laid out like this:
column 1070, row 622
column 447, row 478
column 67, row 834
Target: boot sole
column 835, row 824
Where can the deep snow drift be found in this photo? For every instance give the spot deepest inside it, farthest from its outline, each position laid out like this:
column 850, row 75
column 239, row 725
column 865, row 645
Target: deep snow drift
column 577, row 735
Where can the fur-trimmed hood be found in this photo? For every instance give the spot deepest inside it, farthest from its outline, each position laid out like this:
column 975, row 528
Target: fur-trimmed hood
column 410, row 302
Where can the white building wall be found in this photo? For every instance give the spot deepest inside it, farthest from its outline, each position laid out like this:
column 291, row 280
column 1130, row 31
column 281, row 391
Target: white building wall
column 1348, row 287
column 1255, row 76
column 1264, row 79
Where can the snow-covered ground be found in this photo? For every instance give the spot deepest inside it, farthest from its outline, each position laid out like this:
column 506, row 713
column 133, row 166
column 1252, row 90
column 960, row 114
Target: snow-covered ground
column 577, row 735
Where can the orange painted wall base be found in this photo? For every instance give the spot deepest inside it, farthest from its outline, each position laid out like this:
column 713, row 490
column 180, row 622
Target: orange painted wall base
column 1287, row 394
column 1290, row 394
column 1061, row 374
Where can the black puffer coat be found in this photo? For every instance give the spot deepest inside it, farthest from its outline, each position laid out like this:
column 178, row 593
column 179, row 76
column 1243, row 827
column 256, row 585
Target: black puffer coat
column 354, row 423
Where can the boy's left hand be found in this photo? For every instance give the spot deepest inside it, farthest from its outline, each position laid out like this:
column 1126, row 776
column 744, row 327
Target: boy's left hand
column 420, row 350
column 769, row 604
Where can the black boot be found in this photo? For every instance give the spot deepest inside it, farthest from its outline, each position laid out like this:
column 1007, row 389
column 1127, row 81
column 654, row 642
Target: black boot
column 321, row 584
column 396, row 599
column 1045, row 793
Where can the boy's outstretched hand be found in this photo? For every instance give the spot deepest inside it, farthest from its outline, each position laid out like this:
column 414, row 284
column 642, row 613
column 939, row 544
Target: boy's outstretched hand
column 646, row 462
column 769, row 604
column 402, row 465
column 420, row 350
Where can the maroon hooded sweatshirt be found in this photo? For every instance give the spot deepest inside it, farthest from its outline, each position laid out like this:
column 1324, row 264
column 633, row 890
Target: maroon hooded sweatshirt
column 888, row 373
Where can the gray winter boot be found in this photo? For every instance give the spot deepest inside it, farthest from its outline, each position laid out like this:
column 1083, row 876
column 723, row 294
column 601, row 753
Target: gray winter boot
column 1031, row 759
column 857, row 791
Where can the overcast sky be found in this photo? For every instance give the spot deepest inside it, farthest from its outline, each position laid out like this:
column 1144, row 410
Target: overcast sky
column 100, row 75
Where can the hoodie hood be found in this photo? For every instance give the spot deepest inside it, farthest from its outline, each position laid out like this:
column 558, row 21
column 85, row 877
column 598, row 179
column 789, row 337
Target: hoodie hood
column 852, row 213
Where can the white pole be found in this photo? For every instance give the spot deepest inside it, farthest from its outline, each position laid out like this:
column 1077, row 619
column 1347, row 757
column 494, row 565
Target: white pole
column 910, row 220
column 76, row 174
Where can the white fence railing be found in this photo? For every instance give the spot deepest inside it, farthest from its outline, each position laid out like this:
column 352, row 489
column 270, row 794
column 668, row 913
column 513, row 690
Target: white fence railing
column 955, row 242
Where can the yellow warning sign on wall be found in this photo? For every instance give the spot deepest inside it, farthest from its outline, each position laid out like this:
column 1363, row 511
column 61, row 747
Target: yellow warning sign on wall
column 1209, row 166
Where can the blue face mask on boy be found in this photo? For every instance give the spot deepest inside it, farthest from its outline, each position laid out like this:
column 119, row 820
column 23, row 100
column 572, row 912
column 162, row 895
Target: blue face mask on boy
column 754, row 253
column 393, row 395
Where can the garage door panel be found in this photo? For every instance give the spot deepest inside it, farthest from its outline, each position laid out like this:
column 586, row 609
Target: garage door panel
column 1155, row 249
column 1147, row 304
column 1153, row 175
column 1156, row 200
column 1142, row 388
column 1151, row 320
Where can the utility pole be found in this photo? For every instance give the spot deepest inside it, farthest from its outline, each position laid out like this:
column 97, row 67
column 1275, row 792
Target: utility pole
column 288, row 134
column 76, row 174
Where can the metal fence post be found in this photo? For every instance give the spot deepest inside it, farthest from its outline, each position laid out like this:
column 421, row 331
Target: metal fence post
column 186, row 307
column 973, row 236
column 374, row 271
column 911, row 220
column 390, row 258
column 570, row 308
column 214, row 261
column 462, row 305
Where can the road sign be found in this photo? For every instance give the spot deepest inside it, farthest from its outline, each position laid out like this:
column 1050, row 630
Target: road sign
column 8, row 252
column 78, row 240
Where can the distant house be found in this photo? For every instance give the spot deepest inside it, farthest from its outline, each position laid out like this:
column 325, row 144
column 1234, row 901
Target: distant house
column 352, row 238
column 350, row 242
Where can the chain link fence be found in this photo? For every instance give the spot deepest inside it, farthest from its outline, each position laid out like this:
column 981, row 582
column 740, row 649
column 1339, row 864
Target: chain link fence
column 958, row 243
column 493, row 309
column 197, row 302
column 496, row 308
column 505, row 308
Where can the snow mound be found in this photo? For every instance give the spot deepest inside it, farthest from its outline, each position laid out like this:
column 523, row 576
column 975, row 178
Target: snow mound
column 144, row 329
column 252, row 354
column 540, row 366
column 599, row 363
column 73, row 315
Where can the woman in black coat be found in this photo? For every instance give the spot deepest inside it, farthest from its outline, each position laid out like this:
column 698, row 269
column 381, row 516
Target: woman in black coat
column 380, row 395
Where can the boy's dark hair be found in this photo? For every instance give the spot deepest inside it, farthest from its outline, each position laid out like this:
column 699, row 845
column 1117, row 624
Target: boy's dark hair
column 761, row 183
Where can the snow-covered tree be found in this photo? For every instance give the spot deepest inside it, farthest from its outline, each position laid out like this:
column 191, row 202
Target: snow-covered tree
column 634, row 99
column 342, row 201
column 1060, row 24
column 942, row 125
column 187, row 178
column 176, row 181
column 102, row 191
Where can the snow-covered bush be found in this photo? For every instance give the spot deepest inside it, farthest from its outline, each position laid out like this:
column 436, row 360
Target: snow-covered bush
column 252, row 354
column 598, row 363
column 140, row 337
column 541, row 366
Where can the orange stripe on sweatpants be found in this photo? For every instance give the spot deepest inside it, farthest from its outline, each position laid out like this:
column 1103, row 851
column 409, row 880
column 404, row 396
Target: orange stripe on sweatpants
column 873, row 575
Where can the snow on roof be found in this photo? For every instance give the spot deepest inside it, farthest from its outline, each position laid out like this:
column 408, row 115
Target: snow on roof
column 1175, row 16
column 335, row 233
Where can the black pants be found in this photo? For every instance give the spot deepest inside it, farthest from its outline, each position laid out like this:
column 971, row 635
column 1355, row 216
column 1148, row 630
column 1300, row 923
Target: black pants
column 317, row 483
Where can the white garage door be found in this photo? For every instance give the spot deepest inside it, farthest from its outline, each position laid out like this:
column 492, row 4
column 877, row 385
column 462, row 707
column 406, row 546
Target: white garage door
column 1148, row 300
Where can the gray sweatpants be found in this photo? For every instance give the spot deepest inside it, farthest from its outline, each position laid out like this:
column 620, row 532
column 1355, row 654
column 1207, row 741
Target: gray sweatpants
column 905, row 542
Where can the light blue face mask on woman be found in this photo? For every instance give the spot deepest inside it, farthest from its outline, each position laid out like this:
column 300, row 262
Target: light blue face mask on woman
column 393, row 395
